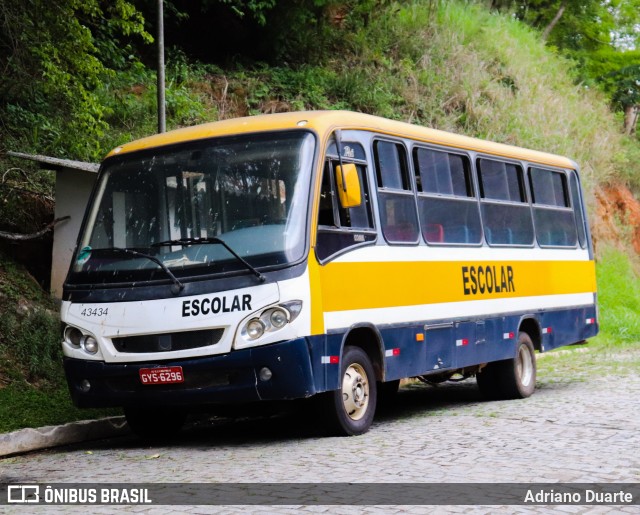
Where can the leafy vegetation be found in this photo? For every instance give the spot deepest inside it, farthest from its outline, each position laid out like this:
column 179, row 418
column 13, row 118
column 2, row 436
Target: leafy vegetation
column 23, row 405
column 33, row 390
column 618, row 297
column 56, row 55
column 602, row 38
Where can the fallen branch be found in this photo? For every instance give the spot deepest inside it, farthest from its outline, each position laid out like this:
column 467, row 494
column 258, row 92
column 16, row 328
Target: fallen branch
column 20, row 237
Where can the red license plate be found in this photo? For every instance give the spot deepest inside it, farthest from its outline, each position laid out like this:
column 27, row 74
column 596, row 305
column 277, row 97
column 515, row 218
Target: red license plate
column 161, row 375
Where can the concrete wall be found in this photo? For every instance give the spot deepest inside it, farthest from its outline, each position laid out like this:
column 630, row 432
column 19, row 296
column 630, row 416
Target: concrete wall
column 73, row 188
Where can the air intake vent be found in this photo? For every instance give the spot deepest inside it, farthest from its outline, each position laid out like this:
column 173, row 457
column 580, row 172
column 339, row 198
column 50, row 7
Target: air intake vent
column 168, row 341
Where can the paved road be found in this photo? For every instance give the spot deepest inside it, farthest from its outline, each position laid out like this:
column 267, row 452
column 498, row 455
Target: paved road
column 568, row 431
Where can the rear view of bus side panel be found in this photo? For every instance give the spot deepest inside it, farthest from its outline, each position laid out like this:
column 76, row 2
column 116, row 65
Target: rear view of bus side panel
column 434, row 347
column 566, row 327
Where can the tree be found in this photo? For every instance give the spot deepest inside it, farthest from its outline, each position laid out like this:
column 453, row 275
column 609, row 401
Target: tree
column 256, row 30
column 627, row 95
column 601, row 36
column 53, row 55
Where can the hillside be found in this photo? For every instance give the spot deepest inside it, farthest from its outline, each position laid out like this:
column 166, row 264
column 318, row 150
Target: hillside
column 456, row 67
column 449, row 65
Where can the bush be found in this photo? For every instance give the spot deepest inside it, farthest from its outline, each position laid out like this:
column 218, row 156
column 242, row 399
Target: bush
column 618, row 296
column 29, row 329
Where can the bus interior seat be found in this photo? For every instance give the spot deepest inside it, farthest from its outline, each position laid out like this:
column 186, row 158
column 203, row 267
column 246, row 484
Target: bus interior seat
column 544, row 238
column 404, row 231
column 434, row 233
column 458, row 234
column 501, row 236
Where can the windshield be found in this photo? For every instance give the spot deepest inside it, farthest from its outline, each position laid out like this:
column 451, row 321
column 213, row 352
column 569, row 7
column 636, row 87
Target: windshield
column 249, row 191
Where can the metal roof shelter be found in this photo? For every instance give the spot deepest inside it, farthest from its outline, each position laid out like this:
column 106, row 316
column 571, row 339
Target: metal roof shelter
column 74, row 183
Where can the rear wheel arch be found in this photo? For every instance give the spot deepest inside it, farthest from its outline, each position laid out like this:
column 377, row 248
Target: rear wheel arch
column 531, row 326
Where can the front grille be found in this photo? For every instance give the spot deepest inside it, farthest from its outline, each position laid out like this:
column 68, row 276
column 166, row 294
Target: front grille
column 168, row 341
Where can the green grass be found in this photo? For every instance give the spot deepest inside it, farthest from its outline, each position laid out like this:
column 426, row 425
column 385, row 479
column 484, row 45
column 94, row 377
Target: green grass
column 619, row 298
column 33, row 391
column 23, row 405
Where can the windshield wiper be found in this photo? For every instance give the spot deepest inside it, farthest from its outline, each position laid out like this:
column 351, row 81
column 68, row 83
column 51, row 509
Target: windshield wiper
column 177, row 285
column 215, row 241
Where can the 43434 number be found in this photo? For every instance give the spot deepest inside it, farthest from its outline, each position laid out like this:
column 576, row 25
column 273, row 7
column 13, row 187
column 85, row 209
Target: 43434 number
column 94, row 312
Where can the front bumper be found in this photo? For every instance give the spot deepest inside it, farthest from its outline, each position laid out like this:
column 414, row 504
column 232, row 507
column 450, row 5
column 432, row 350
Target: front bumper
column 222, row 379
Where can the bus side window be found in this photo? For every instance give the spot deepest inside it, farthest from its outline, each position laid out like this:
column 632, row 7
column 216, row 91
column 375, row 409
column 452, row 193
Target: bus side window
column 577, row 208
column 505, row 210
column 358, row 217
column 340, row 228
column 395, row 195
column 326, row 214
column 552, row 214
column 446, row 202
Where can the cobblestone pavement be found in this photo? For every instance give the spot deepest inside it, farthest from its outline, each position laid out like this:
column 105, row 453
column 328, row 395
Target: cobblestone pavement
column 584, row 431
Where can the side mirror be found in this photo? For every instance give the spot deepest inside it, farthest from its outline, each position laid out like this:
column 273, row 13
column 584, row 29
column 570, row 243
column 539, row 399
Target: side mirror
column 348, row 185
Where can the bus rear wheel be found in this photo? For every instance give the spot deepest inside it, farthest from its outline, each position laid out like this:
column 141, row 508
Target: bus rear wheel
column 512, row 378
column 349, row 410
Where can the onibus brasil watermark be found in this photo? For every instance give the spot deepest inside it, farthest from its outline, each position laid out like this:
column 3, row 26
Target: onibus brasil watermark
column 360, row 494
column 40, row 494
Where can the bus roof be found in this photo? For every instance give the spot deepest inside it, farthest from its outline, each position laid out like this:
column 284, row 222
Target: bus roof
column 324, row 122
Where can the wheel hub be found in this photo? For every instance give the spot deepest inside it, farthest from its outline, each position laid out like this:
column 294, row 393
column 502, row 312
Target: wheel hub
column 524, row 366
column 355, row 391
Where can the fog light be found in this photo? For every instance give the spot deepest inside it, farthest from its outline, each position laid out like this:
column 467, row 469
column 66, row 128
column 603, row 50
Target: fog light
column 255, row 329
column 279, row 318
column 90, row 344
column 85, row 386
column 265, row 374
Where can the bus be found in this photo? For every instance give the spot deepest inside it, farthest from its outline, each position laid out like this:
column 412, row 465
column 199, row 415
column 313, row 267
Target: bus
column 324, row 254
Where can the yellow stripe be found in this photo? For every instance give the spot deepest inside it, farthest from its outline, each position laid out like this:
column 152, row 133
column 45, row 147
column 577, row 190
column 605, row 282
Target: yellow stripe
column 317, row 313
column 348, row 286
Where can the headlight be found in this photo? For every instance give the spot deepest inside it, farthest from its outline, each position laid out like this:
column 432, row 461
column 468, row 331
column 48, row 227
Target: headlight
column 254, row 328
column 271, row 320
column 90, row 344
column 278, row 318
column 72, row 336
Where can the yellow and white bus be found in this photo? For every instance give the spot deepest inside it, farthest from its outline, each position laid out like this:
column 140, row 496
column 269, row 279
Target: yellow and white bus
column 327, row 253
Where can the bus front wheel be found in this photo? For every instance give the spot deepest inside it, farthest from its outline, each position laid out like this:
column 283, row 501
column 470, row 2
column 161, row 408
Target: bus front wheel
column 349, row 410
column 512, row 378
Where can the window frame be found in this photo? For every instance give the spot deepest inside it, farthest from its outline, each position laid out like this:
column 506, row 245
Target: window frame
column 547, row 207
column 469, row 179
column 524, row 192
column 581, row 221
column 370, row 234
column 406, row 178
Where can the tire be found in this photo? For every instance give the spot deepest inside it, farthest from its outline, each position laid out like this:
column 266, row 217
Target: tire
column 148, row 425
column 349, row 410
column 512, row 378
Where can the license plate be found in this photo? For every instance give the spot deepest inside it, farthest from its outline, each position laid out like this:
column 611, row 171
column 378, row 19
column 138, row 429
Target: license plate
column 161, row 375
